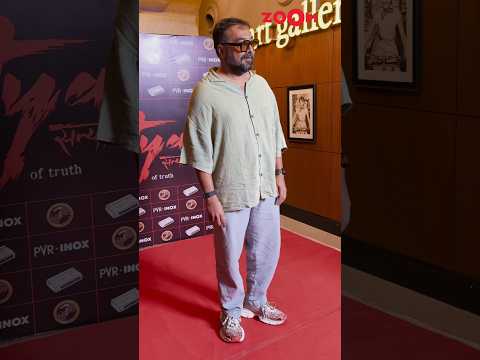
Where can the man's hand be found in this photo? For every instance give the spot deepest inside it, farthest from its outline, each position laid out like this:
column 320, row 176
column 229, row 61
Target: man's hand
column 282, row 189
column 215, row 211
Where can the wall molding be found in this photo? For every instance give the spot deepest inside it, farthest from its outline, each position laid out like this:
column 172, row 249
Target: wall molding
column 309, row 218
column 410, row 306
column 444, row 285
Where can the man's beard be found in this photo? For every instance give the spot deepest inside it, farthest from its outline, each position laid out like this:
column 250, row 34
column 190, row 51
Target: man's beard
column 242, row 67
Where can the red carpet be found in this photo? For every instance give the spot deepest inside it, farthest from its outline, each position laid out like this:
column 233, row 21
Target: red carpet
column 369, row 334
column 179, row 309
column 179, row 317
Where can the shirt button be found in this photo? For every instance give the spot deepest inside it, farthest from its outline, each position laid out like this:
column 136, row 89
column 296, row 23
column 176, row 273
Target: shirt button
column 257, row 134
column 252, row 116
column 261, row 174
column 259, row 155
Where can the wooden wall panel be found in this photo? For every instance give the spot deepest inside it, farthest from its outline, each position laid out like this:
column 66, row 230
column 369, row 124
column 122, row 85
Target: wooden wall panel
column 313, row 181
column 337, row 54
column 307, row 58
column 400, row 178
column 469, row 57
column 466, row 244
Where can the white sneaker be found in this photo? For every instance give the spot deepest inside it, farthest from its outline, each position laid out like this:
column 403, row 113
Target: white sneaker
column 267, row 314
column 230, row 329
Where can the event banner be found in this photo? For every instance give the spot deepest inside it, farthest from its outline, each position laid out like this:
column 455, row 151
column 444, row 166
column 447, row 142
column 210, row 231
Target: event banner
column 68, row 209
column 171, row 200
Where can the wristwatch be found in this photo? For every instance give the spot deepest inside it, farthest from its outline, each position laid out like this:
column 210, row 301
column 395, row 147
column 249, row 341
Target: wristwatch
column 280, row 172
column 209, row 194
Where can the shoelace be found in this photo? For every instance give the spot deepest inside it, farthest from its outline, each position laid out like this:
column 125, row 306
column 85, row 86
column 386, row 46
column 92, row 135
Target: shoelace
column 270, row 307
column 231, row 322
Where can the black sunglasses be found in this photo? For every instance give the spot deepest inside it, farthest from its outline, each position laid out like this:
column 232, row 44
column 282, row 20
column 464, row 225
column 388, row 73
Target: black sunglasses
column 244, row 45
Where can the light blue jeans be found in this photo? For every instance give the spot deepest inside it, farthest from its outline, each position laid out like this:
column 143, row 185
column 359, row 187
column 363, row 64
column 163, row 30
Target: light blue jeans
column 259, row 227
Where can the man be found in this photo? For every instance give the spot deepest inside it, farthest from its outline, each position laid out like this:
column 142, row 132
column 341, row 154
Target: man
column 234, row 140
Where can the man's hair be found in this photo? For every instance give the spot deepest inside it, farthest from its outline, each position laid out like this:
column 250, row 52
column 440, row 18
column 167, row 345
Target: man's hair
column 222, row 26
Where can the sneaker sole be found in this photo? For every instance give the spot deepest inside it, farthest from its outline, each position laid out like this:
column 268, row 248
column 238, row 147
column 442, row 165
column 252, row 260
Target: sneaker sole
column 246, row 313
column 230, row 341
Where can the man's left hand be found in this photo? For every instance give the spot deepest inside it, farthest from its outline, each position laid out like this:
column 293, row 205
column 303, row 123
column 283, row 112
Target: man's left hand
column 282, row 189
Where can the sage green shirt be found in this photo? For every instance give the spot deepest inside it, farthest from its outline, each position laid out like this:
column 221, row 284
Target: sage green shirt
column 234, row 134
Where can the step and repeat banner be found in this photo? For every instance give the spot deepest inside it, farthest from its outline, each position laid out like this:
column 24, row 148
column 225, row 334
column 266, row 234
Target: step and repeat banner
column 171, row 200
column 68, row 209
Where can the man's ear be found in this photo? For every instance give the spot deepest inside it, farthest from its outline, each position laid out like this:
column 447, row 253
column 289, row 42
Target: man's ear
column 221, row 52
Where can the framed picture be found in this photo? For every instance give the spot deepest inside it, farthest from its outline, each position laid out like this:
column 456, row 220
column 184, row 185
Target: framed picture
column 301, row 113
column 386, row 37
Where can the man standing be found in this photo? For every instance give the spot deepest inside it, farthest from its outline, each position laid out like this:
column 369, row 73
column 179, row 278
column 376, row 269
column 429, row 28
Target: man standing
column 234, row 140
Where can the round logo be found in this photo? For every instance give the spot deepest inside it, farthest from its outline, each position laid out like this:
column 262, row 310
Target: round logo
column 191, row 204
column 164, row 194
column 60, row 215
column 208, row 44
column 167, row 235
column 66, row 312
column 6, row 291
column 141, row 226
column 183, row 75
column 124, row 237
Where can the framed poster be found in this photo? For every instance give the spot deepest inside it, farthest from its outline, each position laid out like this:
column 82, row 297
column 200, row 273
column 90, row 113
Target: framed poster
column 386, row 37
column 301, row 113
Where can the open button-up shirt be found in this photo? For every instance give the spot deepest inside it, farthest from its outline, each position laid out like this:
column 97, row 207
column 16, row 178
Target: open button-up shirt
column 234, row 134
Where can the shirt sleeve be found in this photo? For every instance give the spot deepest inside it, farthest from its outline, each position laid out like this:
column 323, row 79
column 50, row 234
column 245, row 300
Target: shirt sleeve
column 118, row 115
column 346, row 100
column 197, row 149
column 281, row 144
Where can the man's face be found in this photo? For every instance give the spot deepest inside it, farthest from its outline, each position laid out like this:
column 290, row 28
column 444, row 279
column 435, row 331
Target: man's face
column 238, row 62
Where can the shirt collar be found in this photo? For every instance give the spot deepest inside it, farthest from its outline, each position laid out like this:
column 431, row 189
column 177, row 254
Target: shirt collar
column 214, row 76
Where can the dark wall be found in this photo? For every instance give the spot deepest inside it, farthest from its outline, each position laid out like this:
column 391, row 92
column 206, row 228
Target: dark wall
column 414, row 176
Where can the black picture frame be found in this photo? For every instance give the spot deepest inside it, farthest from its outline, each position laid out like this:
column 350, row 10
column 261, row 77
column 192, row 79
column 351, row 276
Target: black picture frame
column 299, row 133
column 359, row 80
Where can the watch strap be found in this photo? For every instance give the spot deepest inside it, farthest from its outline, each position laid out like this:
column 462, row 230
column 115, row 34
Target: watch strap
column 280, row 172
column 209, row 194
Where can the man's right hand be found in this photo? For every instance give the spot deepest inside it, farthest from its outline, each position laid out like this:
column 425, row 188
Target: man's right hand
column 215, row 211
